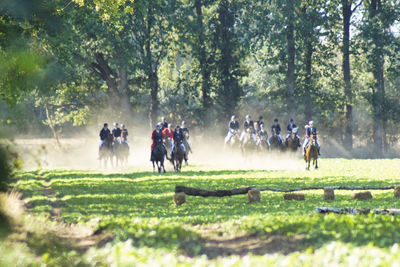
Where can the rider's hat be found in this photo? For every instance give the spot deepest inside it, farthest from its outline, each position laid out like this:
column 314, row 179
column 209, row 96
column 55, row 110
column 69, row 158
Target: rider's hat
column 233, row 117
column 115, row 123
column 260, row 118
column 183, row 122
column 170, row 125
column 122, row 125
column 162, row 118
column 310, row 122
column 291, row 120
column 105, row 124
column 275, row 120
column 248, row 116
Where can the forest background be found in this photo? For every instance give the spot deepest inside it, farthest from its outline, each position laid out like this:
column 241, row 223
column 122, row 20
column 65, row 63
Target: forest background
column 66, row 65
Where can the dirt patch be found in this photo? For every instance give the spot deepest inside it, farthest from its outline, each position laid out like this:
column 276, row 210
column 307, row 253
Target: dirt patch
column 217, row 243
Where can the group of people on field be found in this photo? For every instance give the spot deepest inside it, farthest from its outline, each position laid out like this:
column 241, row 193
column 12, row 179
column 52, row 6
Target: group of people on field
column 119, row 135
column 164, row 134
column 258, row 133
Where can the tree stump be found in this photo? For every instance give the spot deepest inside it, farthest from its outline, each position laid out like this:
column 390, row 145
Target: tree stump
column 179, row 198
column 397, row 191
column 329, row 194
column 254, row 196
column 362, row 195
column 292, row 196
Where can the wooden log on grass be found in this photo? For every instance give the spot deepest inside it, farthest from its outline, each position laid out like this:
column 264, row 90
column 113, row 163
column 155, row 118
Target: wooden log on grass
column 254, row 196
column 397, row 191
column 179, row 198
column 192, row 191
column 362, row 195
column 294, row 196
column 329, row 194
column 356, row 211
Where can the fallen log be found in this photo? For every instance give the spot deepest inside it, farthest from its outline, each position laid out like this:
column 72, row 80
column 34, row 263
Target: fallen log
column 355, row 211
column 192, row 191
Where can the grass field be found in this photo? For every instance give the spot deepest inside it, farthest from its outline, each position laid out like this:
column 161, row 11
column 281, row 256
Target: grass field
column 135, row 211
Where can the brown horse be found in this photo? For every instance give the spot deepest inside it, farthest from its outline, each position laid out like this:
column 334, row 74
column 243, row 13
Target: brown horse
column 311, row 153
column 293, row 142
column 177, row 157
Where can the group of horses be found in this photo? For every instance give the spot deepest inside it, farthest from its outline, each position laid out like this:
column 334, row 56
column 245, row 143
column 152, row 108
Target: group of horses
column 114, row 148
column 249, row 145
column 111, row 148
column 161, row 151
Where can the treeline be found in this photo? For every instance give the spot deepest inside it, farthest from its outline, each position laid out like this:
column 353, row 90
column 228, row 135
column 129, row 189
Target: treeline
column 336, row 62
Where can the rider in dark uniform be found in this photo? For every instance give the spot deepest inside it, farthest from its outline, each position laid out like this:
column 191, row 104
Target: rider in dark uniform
column 117, row 132
column 124, row 132
column 246, row 125
column 157, row 138
column 185, row 131
column 277, row 128
column 260, row 121
column 164, row 123
column 178, row 138
column 310, row 131
column 262, row 135
column 104, row 133
column 290, row 128
column 233, row 129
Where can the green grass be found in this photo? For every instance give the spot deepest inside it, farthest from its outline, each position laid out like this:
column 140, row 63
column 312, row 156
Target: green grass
column 137, row 206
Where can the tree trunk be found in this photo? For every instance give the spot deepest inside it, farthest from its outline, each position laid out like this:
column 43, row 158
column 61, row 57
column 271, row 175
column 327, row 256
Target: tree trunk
column 51, row 125
column 308, row 81
column 123, row 88
column 204, row 68
column 152, row 77
column 291, row 50
column 348, row 106
column 379, row 92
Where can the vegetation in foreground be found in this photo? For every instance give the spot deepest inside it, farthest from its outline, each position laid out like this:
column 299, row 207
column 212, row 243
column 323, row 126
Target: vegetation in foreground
column 135, row 221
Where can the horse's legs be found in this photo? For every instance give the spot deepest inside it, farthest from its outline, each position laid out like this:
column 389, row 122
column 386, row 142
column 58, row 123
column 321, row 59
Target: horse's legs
column 154, row 167
column 316, row 163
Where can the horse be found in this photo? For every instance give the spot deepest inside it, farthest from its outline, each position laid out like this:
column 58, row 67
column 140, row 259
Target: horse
column 157, row 156
column 275, row 143
column 123, row 151
column 293, row 142
column 248, row 143
column 106, row 151
column 261, row 144
column 234, row 141
column 311, row 153
column 187, row 146
column 177, row 157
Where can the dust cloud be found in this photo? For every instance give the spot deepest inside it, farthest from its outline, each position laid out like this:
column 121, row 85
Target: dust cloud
column 81, row 152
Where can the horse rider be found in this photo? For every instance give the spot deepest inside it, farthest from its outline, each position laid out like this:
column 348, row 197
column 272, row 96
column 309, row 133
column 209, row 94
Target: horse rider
column 185, row 131
column 124, row 133
column 277, row 129
column 233, row 129
column 104, row 133
column 168, row 135
column 262, row 136
column 117, row 132
column 310, row 130
column 254, row 131
column 164, row 123
column 291, row 126
column 246, row 125
column 157, row 137
column 260, row 121
column 178, row 138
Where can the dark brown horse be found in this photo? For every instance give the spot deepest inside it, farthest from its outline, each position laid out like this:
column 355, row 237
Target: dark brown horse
column 293, row 142
column 158, row 155
column 177, row 157
column 311, row 153
column 106, row 151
